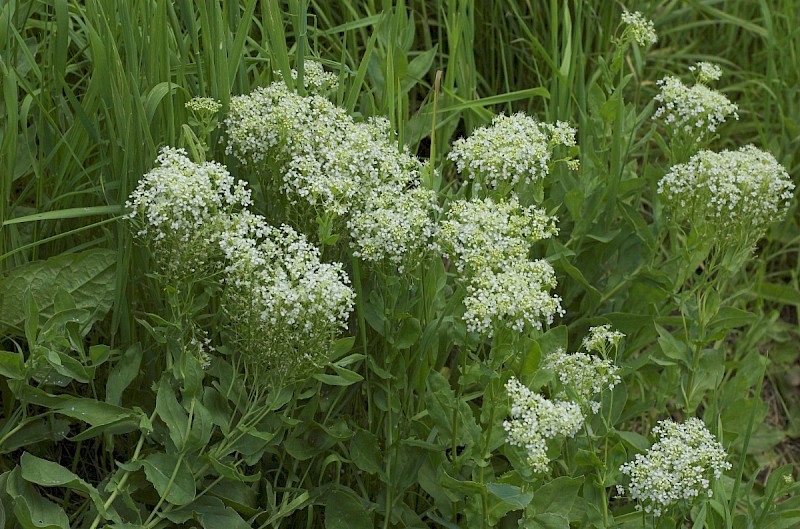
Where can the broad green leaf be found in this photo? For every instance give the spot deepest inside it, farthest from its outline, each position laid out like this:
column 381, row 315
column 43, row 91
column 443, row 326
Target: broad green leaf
column 545, row 521
column 365, row 453
column 345, row 511
column 33, row 430
column 12, row 365
column 556, row 497
column 87, row 276
column 510, row 494
column 171, row 477
column 94, row 412
column 672, row 347
column 31, row 510
column 50, row 474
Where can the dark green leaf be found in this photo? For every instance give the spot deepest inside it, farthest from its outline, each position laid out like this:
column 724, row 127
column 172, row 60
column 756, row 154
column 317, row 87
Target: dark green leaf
column 171, row 477
column 345, row 511
column 171, row 412
column 365, row 452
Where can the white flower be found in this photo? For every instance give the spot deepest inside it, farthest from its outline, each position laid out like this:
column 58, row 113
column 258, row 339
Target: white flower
column 706, row 72
column 480, row 234
column 516, row 297
column 584, row 374
column 514, row 148
column 286, row 305
column 315, row 78
column 695, row 111
column 535, row 419
column 739, row 192
column 639, row 29
column 203, row 105
column 679, row 466
column 600, row 338
column 177, row 208
column 395, row 224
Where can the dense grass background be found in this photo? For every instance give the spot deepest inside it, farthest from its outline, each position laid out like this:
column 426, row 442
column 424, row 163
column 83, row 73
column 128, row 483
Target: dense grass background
column 92, row 89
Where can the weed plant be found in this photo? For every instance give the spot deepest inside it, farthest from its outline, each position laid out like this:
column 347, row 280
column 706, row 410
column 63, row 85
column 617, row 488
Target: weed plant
column 399, row 264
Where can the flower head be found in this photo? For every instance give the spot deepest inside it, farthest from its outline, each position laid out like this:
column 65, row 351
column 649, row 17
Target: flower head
column 517, row 297
column 535, row 419
column 514, row 148
column 738, row 192
column 679, row 466
column 694, row 111
column 315, row 78
column 585, row 375
column 178, row 205
column 639, row 29
column 706, row 71
column 488, row 234
column 600, row 338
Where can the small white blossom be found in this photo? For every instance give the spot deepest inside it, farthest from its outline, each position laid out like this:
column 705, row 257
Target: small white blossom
column 706, row 71
column 679, row 466
column 535, row 419
column 586, row 375
column 514, row 148
column 694, row 111
column 600, row 338
column 203, row 105
column 480, row 234
column 739, row 192
column 516, row 297
column 639, row 29
column 315, row 78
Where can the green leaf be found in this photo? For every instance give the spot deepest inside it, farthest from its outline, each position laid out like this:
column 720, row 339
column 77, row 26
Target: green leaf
column 729, row 318
column 410, row 331
column 171, row 412
column 171, row 477
column 672, row 347
column 365, row 452
column 31, row 510
column 50, row 474
column 556, row 497
column 12, row 365
column 510, row 494
column 345, row 511
column 124, row 372
column 71, row 213
column 545, row 521
column 87, row 276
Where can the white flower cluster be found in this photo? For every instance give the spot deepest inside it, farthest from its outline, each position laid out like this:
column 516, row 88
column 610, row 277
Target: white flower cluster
column 693, row 111
column 535, row 419
column 706, row 71
column 737, row 191
column 514, row 148
column 679, row 466
column 321, row 157
column 586, row 375
column 489, row 241
column 315, row 78
column 488, row 233
column 203, row 105
column 639, row 29
column 286, row 304
column 177, row 208
column 517, row 295
column 600, row 338
column 392, row 223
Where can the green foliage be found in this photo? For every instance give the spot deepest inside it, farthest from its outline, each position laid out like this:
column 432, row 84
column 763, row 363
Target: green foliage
column 111, row 416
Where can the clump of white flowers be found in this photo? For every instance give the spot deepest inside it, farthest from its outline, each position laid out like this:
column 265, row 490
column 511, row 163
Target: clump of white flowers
column 600, row 338
column 516, row 297
column 706, row 71
column 286, row 305
column 514, row 148
column 393, row 224
column 315, row 78
column 488, row 233
column 693, row 111
column 585, row 375
column 679, row 466
column 177, row 208
column 639, row 29
column 535, row 419
column 738, row 192
column 318, row 156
